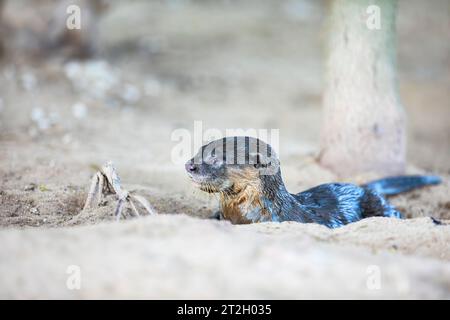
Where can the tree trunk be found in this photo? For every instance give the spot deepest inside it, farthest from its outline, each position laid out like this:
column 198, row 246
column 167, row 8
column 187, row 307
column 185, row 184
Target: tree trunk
column 364, row 122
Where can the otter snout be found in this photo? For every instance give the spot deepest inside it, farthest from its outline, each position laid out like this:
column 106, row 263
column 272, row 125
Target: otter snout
column 209, row 175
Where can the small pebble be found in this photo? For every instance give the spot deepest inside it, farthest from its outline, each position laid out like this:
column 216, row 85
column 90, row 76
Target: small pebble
column 66, row 139
column 43, row 188
column 34, row 211
column 30, row 187
column 9, row 73
column 131, row 94
column 39, row 117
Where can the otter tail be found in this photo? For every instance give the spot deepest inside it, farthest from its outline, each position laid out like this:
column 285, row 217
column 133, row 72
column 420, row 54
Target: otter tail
column 395, row 185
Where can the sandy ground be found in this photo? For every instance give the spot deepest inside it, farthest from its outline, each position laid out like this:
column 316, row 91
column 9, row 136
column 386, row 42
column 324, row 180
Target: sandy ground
column 182, row 257
column 169, row 65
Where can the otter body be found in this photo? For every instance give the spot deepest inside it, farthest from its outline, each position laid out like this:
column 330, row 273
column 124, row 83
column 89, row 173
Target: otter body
column 245, row 172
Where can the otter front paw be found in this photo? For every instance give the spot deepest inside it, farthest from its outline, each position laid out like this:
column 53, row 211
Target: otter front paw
column 217, row 215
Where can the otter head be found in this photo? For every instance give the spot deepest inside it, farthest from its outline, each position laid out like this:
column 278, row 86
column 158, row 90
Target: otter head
column 230, row 165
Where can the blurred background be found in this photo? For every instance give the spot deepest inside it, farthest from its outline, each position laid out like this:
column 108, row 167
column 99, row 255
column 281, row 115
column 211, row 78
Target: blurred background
column 137, row 70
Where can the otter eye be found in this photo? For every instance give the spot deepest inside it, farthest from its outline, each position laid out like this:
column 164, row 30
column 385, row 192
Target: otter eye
column 214, row 160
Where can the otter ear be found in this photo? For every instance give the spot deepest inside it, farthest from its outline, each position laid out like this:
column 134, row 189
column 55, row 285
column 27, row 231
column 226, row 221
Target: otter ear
column 257, row 160
column 266, row 165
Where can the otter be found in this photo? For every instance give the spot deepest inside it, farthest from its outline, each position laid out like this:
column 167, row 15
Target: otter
column 245, row 172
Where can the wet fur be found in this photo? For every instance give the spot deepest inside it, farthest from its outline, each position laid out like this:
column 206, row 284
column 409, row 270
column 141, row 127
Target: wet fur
column 246, row 196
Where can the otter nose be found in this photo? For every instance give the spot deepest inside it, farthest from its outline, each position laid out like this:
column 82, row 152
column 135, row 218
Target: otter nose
column 191, row 167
